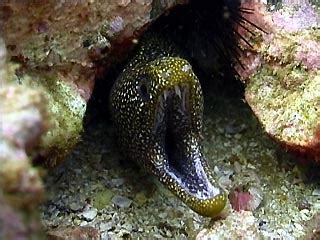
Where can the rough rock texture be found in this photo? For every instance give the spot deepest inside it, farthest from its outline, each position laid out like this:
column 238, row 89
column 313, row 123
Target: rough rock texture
column 313, row 228
column 56, row 33
column 68, row 109
column 238, row 225
column 74, row 233
column 60, row 46
column 23, row 120
column 283, row 78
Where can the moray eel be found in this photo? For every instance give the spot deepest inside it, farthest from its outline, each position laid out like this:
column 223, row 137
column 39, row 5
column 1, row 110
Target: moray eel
column 157, row 106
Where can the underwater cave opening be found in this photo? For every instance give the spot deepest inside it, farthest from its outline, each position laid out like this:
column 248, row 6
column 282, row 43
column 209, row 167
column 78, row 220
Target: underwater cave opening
column 205, row 33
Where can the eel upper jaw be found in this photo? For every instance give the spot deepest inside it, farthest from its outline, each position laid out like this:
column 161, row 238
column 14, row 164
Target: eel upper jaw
column 184, row 168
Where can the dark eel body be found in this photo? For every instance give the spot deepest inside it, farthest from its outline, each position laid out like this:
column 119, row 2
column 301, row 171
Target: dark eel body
column 157, row 108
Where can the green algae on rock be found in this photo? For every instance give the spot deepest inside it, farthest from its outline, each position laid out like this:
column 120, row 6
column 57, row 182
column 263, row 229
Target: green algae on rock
column 157, row 107
column 286, row 98
column 103, row 198
column 66, row 107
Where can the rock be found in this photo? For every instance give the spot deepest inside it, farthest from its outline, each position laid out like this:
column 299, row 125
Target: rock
column 76, row 206
column 117, row 182
column 313, row 228
column 106, row 226
column 238, row 225
column 316, row 192
column 234, row 129
column 83, row 224
column 121, row 201
column 56, row 33
column 23, row 120
column 67, row 107
column 103, row 198
column 13, row 226
column 89, row 214
column 74, row 233
column 282, row 79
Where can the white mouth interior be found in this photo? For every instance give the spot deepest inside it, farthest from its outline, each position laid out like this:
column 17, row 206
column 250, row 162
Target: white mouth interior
column 173, row 120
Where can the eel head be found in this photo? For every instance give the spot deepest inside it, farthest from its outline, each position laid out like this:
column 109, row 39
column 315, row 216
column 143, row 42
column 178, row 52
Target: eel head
column 157, row 109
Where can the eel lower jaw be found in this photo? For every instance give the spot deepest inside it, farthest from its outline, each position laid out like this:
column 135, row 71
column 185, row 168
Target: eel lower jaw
column 208, row 200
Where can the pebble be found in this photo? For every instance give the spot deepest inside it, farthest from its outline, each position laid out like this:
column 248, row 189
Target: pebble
column 316, row 192
column 234, row 129
column 298, row 226
column 122, row 202
column 305, row 214
column 90, row 214
column 127, row 226
column 106, row 226
column 225, row 181
column 316, row 205
column 237, row 136
column 263, row 225
column 163, row 215
column 83, row 223
column 117, row 182
column 216, row 170
column 253, row 144
column 237, row 167
column 257, row 197
column 303, row 204
column 75, row 206
column 109, row 236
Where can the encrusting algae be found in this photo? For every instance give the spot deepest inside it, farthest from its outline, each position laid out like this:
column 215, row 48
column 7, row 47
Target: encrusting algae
column 157, row 108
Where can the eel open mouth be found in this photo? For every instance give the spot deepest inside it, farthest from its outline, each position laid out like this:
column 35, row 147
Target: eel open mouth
column 184, row 167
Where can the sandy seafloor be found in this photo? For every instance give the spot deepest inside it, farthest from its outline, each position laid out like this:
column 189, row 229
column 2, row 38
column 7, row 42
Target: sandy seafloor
column 97, row 187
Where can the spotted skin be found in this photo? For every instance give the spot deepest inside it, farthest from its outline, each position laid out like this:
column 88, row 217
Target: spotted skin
column 157, row 107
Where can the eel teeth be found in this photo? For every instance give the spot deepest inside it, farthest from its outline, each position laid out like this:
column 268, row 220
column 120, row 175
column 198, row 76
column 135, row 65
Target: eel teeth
column 161, row 104
column 177, row 90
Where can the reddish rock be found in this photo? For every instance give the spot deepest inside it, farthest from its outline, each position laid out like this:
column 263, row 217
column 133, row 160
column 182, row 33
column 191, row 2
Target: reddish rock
column 61, row 46
column 74, row 233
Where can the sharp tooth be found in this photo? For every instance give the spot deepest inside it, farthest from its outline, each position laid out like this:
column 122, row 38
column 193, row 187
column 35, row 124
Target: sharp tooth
column 177, row 90
column 165, row 94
